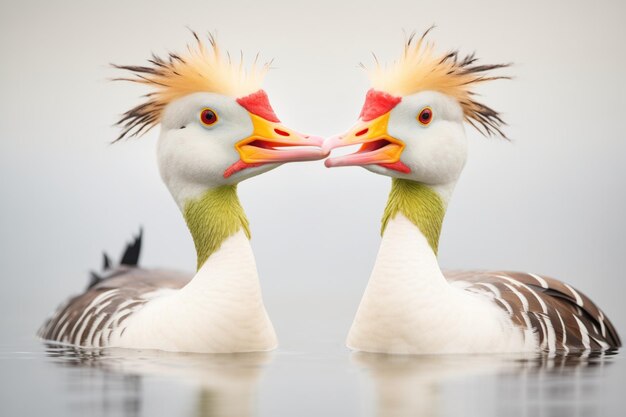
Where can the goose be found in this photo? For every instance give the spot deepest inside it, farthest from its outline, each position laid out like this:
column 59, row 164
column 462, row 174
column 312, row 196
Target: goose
column 411, row 128
column 217, row 129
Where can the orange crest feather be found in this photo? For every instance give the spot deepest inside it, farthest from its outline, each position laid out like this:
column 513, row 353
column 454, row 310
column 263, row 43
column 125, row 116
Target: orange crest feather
column 200, row 69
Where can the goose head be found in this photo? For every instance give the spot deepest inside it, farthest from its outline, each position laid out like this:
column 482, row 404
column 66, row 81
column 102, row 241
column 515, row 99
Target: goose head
column 217, row 125
column 420, row 138
column 412, row 123
column 208, row 140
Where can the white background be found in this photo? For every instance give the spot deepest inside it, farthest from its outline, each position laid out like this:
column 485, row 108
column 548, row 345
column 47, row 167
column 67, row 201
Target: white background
column 550, row 201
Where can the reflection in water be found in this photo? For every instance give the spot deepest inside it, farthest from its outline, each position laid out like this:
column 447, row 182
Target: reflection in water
column 226, row 382
column 115, row 382
column 524, row 385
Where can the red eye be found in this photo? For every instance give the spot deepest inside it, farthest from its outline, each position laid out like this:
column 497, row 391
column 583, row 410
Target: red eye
column 208, row 117
column 425, row 116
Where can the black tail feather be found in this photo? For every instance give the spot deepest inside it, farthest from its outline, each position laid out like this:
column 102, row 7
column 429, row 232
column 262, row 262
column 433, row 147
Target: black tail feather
column 132, row 251
column 130, row 257
column 106, row 261
column 94, row 279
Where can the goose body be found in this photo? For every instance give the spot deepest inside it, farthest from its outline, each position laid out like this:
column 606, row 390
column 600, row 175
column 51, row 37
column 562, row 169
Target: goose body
column 411, row 306
column 217, row 129
column 220, row 309
column 411, row 129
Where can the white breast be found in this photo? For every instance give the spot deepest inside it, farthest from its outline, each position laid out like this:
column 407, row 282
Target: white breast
column 220, row 310
column 409, row 307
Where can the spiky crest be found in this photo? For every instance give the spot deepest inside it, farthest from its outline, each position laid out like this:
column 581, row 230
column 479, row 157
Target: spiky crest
column 420, row 68
column 200, row 69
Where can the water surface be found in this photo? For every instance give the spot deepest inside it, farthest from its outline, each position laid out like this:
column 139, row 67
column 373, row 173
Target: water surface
column 53, row 380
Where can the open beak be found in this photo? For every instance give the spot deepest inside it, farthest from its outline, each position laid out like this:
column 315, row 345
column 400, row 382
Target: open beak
column 377, row 146
column 274, row 143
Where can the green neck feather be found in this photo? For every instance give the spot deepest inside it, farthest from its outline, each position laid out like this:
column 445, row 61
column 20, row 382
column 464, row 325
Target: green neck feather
column 214, row 217
column 418, row 203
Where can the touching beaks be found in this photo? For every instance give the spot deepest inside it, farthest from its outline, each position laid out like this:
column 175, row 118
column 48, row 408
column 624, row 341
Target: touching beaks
column 377, row 146
column 272, row 142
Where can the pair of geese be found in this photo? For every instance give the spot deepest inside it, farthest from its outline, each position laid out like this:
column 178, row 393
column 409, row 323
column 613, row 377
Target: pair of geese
column 218, row 129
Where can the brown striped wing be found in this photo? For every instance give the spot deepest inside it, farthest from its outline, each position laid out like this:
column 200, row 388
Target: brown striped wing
column 563, row 318
column 89, row 319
